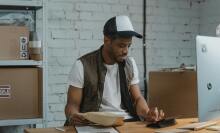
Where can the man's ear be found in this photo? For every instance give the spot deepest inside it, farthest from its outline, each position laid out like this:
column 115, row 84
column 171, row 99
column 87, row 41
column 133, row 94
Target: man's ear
column 107, row 40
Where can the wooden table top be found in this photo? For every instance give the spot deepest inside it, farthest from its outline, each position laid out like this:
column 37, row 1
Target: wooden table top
column 128, row 127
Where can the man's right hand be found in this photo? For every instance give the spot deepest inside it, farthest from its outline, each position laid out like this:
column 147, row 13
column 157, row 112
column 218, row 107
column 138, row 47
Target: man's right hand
column 73, row 116
column 72, row 107
column 77, row 119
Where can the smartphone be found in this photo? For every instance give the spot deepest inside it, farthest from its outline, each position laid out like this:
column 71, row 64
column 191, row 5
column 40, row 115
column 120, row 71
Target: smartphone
column 163, row 123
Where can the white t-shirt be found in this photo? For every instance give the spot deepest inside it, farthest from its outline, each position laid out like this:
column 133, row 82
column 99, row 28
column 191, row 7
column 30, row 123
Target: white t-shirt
column 111, row 100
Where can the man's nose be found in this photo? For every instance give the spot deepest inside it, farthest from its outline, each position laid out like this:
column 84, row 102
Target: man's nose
column 125, row 50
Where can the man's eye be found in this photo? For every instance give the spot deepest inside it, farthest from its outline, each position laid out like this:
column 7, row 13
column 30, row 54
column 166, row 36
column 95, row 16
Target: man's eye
column 122, row 46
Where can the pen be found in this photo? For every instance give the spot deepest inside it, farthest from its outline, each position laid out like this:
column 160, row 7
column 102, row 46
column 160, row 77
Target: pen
column 60, row 129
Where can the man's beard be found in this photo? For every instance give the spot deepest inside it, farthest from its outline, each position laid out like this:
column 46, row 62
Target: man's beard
column 120, row 58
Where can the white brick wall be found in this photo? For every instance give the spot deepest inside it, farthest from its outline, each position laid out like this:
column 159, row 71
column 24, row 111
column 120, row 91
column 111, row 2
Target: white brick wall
column 172, row 26
column 210, row 17
column 75, row 28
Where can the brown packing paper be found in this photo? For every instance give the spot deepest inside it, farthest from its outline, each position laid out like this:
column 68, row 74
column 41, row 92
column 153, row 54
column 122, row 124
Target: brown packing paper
column 104, row 118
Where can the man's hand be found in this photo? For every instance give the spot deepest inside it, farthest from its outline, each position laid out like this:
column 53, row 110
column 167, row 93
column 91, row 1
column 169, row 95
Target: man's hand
column 141, row 107
column 77, row 119
column 73, row 116
column 149, row 115
column 72, row 107
column 154, row 115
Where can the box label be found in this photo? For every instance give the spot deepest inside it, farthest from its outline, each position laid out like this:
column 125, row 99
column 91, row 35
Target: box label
column 24, row 55
column 23, row 40
column 5, row 91
column 23, row 47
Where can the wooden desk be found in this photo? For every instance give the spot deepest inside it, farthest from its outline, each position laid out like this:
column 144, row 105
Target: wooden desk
column 129, row 127
column 49, row 130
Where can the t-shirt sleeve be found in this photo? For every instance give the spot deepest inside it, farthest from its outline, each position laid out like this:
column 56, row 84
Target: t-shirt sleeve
column 76, row 76
column 135, row 79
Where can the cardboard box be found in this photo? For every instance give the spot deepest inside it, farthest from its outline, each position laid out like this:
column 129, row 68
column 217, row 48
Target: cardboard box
column 20, row 93
column 174, row 92
column 14, row 42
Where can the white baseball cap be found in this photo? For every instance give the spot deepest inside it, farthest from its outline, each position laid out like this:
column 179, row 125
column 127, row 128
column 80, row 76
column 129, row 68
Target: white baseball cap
column 120, row 25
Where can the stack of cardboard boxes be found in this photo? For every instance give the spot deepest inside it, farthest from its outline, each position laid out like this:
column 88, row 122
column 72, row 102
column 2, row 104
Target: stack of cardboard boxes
column 20, row 87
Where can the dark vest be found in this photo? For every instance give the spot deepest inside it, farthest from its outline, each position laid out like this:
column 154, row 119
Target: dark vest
column 94, row 78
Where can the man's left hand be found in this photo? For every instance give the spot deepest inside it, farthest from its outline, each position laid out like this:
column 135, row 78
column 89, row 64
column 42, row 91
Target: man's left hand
column 149, row 115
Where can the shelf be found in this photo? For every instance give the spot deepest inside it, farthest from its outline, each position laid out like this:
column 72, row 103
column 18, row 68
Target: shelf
column 20, row 4
column 36, row 9
column 20, row 122
column 20, row 63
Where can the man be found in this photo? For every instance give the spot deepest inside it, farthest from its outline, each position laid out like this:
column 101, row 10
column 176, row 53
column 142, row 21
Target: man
column 107, row 80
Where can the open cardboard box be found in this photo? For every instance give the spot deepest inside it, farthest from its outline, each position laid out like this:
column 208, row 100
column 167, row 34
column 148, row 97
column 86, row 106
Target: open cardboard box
column 174, row 92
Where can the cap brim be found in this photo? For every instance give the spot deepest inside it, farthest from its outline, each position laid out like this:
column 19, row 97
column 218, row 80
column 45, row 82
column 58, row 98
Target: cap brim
column 129, row 34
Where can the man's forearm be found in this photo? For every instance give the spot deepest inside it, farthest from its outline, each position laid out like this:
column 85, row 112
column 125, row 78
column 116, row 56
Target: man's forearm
column 141, row 101
column 73, row 101
column 70, row 109
column 137, row 99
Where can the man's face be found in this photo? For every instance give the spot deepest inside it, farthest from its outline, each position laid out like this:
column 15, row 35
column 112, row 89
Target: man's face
column 118, row 48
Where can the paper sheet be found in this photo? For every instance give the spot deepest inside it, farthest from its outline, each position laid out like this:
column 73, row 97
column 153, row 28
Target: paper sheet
column 214, row 128
column 198, row 126
column 172, row 131
column 95, row 129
